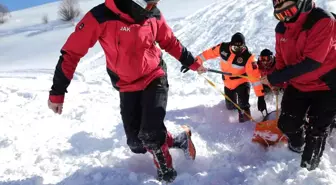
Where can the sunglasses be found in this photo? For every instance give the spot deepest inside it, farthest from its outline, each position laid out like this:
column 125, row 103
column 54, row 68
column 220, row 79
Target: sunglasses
column 264, row 58
column 265, row 62
column 147, row 5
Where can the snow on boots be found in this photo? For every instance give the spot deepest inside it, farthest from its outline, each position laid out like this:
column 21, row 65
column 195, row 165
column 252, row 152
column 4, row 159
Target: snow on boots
column 180, row 139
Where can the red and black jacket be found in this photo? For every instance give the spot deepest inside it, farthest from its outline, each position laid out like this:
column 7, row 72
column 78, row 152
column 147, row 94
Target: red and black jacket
column 306, row 52
column 265, row 72
column 132, row 58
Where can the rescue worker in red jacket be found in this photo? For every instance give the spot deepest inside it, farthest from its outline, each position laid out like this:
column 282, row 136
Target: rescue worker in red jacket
column 305, row 58
column 238, row 60
column 127, row 30
column 266, row 65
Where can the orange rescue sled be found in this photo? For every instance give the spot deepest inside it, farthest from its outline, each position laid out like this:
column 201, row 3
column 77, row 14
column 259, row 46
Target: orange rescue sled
column 267, row 132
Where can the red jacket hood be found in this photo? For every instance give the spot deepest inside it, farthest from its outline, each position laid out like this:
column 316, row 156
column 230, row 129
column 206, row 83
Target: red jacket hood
column 112, row 6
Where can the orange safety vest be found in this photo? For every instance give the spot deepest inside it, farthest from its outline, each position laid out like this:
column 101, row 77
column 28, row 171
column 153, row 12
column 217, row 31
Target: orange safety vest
column 243, row 64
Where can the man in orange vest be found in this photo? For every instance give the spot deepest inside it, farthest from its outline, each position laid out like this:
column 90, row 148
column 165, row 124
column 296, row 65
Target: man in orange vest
column 237, row 60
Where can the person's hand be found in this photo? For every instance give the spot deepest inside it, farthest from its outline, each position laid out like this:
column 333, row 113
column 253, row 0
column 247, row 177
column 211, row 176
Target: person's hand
column 275, row 90
column 264, row 80
column 197, row 62
column 55, row 103
column 184, row 69
column 201, row 70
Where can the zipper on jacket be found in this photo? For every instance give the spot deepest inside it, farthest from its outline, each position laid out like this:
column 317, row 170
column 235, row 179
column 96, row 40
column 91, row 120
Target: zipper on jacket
column 135, row 37
column 117, row 47
column 118, row 44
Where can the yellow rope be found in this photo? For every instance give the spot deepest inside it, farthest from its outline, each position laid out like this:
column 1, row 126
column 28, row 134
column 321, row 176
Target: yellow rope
column 214, row 85
column 243, row 76
column 277, row 103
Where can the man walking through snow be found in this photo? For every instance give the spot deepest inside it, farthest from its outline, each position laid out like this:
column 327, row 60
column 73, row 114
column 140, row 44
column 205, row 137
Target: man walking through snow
column 127, row 30
column 238, row 60
column 305, row 58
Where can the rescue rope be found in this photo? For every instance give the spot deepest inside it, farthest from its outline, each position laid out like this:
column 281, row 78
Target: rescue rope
column 230, row 74
column 238, row 107
column 277, row 107
column 277, row 103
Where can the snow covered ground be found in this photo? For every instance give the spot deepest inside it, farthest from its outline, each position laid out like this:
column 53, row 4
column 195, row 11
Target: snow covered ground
column 86, row 145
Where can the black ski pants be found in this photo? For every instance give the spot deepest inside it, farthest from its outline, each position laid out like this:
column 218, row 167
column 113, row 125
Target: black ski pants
column 143, row 114
column 241, row 93
column 267, row 89
column 320, row 107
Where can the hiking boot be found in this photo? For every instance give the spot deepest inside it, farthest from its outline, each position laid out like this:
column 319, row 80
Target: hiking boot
column 296, row 141
column 163, row 163
column 313, row 152
column 182, row 140
column 168, row 176
column 243, row 117
column 297, row 149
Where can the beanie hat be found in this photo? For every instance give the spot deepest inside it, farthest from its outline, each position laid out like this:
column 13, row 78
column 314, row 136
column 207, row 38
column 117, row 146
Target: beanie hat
column 238, row 38
column 266, row 52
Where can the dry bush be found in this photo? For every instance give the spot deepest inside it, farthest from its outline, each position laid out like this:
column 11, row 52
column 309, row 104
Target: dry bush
column 45, row 19
column 4, row 13
column 69, row 10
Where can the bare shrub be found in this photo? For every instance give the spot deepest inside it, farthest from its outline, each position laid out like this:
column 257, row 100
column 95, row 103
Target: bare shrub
column 4, row 13
column 69, row 10
column 45, row 19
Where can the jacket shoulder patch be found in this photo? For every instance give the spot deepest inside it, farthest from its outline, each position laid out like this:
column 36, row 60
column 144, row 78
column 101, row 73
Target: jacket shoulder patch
column 102, row 14
column 81, row 26
column 224, row 50
column 280, row 28
column 242, row 59
column 314, row 16
column 239, row 61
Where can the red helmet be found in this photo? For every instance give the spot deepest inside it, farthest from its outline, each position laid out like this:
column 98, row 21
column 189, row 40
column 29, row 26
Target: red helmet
column 266, row 60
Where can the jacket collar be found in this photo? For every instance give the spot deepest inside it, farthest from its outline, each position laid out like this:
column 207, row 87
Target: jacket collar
column 112, row 6
column 299, row 22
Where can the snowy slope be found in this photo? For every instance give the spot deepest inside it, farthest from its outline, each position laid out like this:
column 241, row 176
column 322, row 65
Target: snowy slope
column 86, row 145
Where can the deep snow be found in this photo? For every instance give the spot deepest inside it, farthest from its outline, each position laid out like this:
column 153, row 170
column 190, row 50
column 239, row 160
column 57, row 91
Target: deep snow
column 86, row 145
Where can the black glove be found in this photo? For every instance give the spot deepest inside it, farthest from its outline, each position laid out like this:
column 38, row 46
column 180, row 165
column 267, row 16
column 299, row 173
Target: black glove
column 184, row 69
column 261, row 103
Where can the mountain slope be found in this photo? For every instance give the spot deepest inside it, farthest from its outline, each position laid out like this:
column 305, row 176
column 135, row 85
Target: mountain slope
column 86, row 145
